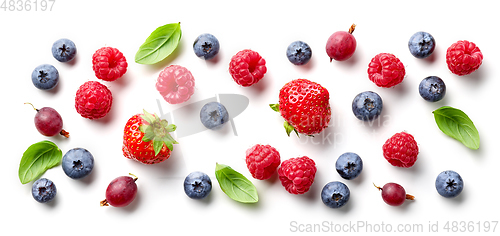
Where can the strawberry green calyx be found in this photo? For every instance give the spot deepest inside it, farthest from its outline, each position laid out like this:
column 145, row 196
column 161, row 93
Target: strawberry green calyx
column 158, row 131
column 288, row 127
column 275, row 107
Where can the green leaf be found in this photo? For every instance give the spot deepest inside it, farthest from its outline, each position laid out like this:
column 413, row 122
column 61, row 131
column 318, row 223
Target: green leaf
column 143, row 128
column 289, row 128
column 38, row 158
column 456, row 124
column 148, row 117
column 235, row 185
column 169, row 145
column 157, row 131
column 164, row 123
column 171, row 128
column 148, row 131
column 275, row 107
column 160, row 44
column 157, row 146
column 169, row 139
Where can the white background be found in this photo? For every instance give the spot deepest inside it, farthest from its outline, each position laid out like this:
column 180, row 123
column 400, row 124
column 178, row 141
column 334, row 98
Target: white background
column 268, row 27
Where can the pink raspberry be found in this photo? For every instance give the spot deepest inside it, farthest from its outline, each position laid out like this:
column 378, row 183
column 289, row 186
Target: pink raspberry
column 262, row 161
column 247, row 67
column 297, row 174
column 386, row 70
column 175, row 84
column 463, row 57
column 401, row 150
column 93, row 100
column 109, row 64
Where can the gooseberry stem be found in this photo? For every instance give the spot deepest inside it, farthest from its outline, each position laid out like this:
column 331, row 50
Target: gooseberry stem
column 31, row 106
column 351, row 29
column 135, row 177
column 104, row 202
column 410, row 197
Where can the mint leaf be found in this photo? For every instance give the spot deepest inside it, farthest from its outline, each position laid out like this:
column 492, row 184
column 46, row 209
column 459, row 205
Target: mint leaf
column 456, row 124
column 235, row 185
column 160, row 44
column 38, row 158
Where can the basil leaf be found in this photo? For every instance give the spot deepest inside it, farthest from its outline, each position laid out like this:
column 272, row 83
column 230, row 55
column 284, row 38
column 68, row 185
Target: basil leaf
column 456, row 124
column 38, row 158
column 160, row 44
column 235, row 185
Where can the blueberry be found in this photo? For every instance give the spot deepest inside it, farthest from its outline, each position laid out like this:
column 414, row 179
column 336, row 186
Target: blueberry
column 367, row 106
column 43, row 190
column 298, row 53
column 213, row 115
column 449, row 184
column 432, row 89
column 206, row 46
column 77, row 163
column 349, row 165
column 45, row 77
column 335, row 194
column 64, row 50
column 197, row 185
column 421, row 44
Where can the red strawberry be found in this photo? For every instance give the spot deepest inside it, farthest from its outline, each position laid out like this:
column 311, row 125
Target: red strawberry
column 305, row 107
column 146, row 138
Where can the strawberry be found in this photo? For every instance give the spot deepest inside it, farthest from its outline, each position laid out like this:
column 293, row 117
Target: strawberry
column 146, row 138
column 305, row 107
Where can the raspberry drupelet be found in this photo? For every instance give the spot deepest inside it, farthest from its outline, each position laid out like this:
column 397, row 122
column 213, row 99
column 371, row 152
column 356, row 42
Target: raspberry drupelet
column 297, row 174
column 386, row 70
column 175, row 84
column 93, row 100
column 262, row 161
column 109, row 64
column 247, row 67
column 463, row 57
column 401, row 150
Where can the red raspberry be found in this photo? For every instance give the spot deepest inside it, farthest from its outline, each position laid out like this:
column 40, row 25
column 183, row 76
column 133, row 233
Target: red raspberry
column 262, row 161
column 93, row 100
column 247, row 67
column 109, row 64
column 386, row 70
column 175, row 84
column 297, row 174
column 401, row 150
column 463, row 57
